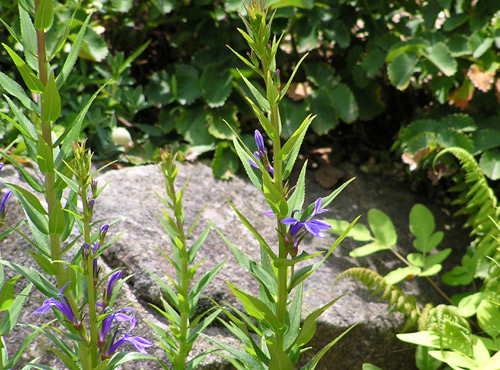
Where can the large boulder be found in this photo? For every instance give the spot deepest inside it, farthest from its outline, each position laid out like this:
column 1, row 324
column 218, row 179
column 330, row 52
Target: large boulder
column 131, row 199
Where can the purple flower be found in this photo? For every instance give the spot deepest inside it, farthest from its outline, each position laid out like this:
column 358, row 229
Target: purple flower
column 106, row 323
column 139, row 342
column 299, row 228
column 113, row 280
column 261, row 154
column 6, row 196
column 62, row 305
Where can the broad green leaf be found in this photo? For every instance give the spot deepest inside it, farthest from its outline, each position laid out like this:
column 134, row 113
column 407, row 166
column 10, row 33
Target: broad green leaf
column 51, row 101
column 93, row 46
column 421, row 221
column 416, row 259
column 455, row 359
column 382, row 227
column 373, row 61
column 359, row 232
column 321, row 103
column 440, row 56
column 430, row 271
column 421, row 338
column 457, row 276
column 458, row 45
column 488, row 318
column 485, row 139
column 225, row 163
column 32, row 82
column 426, row 245
column 216, row 85
column 219, row 120
column 483, row 47
column 44, row 15
column 402, row 273
column 345, row 103
column 490, row 163
column 401, row 69
column 165, row 6
column 370, row 367
column 188, row 84
column 432, row 259
column 192, row 125
column 468, row 305
column 368, row 249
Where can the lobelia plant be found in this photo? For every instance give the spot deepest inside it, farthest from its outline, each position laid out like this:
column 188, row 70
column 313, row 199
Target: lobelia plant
column 274, row 316
column 182, row 295
column 88, row 330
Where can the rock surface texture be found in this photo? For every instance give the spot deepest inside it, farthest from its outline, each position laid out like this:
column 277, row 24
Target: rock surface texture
column 130, row 199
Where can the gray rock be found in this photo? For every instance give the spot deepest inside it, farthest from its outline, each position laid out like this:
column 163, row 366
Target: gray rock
column 130, row 199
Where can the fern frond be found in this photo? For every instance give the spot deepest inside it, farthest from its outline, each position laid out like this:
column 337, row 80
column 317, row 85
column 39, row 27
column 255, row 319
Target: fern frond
column 397, row 300
column 478, row 202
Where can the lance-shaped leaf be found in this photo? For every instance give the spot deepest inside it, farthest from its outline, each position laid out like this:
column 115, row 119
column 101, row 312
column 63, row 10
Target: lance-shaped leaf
column 279, row 359
column 32, row 207
column 51, row 101
column 10, row 318
column 296, row 200
column 264, row 121
column 14, row 89
column 309, row 326
column 41, row 283
column 297, row 137
column 263, row 103
column 73, row 54
column 287, row 85
column 32, row 82
column 258, row 309
column 44, row 15
column 28, row 39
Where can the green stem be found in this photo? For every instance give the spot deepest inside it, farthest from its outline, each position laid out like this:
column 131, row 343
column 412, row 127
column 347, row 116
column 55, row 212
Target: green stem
column 50, row 193
column 183, row 282
column 90, row 289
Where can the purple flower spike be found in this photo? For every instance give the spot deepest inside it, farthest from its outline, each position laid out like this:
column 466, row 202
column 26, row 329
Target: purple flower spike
column 261, row 154
column 106, row 323
column 62, row 305
column 139, row 342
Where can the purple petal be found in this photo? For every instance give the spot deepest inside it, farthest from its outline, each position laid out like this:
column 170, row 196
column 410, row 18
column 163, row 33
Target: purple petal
column 113, row 280
column 259, row 140
column 289, row 221
column 315, row 227
column 252, row 163
column 268, row 213
column 139, row 343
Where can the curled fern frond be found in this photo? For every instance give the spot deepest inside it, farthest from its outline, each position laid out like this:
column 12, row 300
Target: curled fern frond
column 453, row 330
column 397, row 300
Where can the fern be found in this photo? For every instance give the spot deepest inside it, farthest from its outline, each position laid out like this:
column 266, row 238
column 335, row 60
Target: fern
column 453, row 330
column 397, row 300
column 479, row 203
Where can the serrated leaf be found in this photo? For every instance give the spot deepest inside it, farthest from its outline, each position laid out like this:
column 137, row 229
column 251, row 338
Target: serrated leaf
column 401, row 69
column 345, row 103
column 44, row 15
column 440, row 56
column 188, row 84
column 93, row 46
column 14, row 89
column 490, row 163
column 216, row 85
column 192, row 125
column 51, row 101
column 485, row 139
column 32, row 82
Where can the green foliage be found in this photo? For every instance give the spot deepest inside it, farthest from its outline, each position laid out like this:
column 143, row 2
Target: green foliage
column 397, row 300
column 182, row 295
